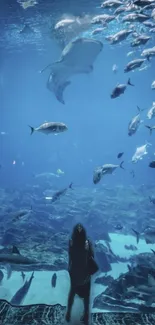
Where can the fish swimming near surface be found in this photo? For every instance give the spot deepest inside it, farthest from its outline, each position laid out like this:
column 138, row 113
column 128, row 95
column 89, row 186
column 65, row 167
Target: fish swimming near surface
column 120, row 89
column 54, row 280
column 77, row 57
column 50, row 127
column 19, row 296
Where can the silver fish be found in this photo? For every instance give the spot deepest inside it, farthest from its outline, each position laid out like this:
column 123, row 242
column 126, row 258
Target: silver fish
column 134, row 124
column 50, row 127
column 148, row 53
column 134, row 64
column 151, row 112
column 135, row 17
column 111, row 3
column 103, row 170
column 119, row 37
column 139, row 153
column 140, row 40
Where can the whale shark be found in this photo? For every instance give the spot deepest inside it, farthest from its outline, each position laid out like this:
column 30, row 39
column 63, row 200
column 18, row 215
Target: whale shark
column 77, row 57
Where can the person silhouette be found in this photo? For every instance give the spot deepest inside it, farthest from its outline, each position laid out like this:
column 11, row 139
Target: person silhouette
column 80, row 252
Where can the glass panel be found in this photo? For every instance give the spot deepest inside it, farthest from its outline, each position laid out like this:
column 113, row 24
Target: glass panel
column 77, row 206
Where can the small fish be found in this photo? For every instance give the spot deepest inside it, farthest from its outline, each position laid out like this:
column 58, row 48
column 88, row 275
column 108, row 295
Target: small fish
column 103, row 170
column 50, row 127
column 151, row 112
column 135, row 17
column 120, row 154
column 53, row 280
column 150, row 128
column 102, row 19
column 130, row 53
column 28, row 3
column 21, row 213
column 63, row 23
column 134, row 123
column 153, row 85
column 20, row 295
column 152, row 164
column 111, row 3
column 152, row 200
column 118, row 227
column 119, row 36
column 148, row 53
column 3, row 133
column 148, row 234
column 115, row 68
column 8, row 270
column 26, row 30
column 1, row 276
column 134, row 64
column 132, row 173
column 98, row 30
column 60, row 172
column 23, row 275
column 120, row 89
column 58, row 194
column 140, row 152
column 140, row 40
column 130, row 247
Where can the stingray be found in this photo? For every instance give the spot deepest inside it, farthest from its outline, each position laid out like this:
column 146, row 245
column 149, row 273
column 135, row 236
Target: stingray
column 77, row 57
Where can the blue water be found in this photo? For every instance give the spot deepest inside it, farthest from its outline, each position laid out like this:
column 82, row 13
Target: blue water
column 97, row 124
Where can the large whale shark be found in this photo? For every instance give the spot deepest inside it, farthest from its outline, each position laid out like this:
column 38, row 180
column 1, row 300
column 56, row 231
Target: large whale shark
column 77, row 57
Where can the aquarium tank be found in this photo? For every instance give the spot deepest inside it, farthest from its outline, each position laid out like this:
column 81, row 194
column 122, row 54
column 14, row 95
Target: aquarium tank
column 77, row 162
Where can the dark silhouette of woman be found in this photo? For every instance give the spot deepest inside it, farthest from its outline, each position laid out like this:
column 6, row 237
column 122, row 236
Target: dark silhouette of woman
column 80, row 250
